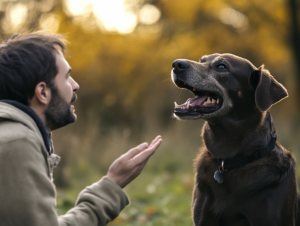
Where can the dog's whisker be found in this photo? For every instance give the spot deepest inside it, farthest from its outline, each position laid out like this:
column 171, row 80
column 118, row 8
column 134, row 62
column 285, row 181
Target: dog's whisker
column 179, row 95
column 168, row 79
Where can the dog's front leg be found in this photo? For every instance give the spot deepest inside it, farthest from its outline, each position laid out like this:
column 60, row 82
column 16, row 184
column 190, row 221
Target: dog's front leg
column 201, row 209
column 197, row 205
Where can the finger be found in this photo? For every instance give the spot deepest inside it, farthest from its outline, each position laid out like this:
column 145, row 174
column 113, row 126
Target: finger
column 144, row 155
column 134, row 151
column 154, row 141
column 153, row 148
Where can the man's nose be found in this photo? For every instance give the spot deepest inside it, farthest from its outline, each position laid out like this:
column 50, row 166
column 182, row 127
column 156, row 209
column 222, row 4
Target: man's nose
column 180, row 65
column 74, row 84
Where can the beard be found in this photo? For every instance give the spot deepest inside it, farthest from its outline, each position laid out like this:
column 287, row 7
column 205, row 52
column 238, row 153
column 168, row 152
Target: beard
column 58, row 113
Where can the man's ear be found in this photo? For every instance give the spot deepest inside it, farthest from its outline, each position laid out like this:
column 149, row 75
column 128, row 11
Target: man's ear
column 268, row 90
column 42, row 93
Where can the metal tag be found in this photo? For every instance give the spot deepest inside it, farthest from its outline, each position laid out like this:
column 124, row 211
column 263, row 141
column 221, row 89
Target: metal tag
column 218, row 176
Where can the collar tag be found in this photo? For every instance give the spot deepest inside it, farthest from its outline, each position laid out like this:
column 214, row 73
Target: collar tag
column 218, row 176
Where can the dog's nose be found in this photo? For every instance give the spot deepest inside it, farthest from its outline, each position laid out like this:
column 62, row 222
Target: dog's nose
column 180, row 65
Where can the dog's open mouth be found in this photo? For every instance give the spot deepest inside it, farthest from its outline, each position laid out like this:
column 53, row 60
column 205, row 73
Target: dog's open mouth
column 204, row 102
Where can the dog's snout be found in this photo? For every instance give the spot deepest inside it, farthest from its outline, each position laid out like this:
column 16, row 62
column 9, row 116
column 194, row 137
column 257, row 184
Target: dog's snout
column 180, row 65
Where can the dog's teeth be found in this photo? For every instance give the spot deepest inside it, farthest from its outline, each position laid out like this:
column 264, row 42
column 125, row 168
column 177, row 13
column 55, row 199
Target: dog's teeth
column 188, row 105
column 213, row 101
column 217, row 100
column 176, row 105
column 208, row 100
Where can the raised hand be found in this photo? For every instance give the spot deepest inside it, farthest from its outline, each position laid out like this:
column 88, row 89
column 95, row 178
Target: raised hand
column 129, row 165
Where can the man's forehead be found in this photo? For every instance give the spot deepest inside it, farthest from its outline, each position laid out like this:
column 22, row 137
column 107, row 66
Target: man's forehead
column 59, row 55
column 62, row 64
column 60, row 59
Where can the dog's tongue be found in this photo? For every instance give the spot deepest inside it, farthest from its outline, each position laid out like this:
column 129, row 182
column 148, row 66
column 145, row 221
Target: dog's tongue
column 197, row 100
column 193, row 102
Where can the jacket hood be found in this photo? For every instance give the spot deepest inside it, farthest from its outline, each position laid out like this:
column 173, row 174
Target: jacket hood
column 18, row 112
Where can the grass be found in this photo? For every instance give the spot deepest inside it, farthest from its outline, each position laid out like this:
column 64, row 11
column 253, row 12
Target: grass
column 164, row 200
column 156, row 199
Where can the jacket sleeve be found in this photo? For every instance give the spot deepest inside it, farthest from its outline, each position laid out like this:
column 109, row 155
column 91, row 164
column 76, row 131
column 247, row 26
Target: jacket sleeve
column 27, row 194
column 97, row 204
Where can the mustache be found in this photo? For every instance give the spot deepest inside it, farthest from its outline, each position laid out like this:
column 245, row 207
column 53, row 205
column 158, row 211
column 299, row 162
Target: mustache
column 74, row 97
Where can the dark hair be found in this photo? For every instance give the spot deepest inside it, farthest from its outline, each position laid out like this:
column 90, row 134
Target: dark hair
column 25, row 61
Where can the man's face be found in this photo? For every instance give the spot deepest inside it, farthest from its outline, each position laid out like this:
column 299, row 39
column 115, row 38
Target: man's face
column 60, row 112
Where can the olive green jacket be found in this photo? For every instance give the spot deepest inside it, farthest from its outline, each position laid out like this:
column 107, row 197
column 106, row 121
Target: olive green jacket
column 27, row 194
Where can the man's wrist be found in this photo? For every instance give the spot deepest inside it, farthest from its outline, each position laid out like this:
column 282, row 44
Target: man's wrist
column 114, row 180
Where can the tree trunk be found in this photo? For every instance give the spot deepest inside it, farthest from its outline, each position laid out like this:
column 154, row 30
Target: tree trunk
column 295, row 38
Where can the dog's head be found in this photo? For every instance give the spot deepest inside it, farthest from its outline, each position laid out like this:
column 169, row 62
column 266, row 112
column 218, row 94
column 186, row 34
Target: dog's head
column 224, row 84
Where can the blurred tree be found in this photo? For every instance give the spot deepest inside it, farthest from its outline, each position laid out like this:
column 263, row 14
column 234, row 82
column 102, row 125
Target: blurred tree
column 118, row 72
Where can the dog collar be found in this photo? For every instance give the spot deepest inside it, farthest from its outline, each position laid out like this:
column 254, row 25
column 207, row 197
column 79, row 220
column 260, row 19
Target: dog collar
column 238, row 161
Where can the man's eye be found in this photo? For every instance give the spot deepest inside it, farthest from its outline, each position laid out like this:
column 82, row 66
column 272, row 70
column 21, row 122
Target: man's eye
column 221, row 66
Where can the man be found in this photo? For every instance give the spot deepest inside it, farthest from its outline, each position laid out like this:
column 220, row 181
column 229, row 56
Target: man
column 36, row 92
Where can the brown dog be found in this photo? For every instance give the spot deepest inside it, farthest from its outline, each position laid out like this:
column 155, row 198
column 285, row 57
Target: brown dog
column 243, row 176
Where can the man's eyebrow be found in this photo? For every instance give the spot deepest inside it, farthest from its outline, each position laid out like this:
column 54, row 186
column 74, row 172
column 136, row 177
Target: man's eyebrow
column 69, row 71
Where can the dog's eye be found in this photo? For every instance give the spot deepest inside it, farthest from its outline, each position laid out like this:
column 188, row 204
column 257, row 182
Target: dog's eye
column 221, row 66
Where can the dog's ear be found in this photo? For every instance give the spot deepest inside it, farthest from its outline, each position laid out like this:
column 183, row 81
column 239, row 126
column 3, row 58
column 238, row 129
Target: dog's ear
column 268, row 90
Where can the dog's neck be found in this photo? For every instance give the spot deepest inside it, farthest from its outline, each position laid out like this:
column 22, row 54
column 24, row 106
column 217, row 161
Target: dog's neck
column 226, row 139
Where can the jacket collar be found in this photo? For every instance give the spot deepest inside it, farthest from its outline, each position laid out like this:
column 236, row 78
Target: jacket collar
column 41, row 126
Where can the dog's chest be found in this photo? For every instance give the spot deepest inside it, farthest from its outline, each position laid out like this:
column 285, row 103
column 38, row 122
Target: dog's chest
column 222, row 199
column 236, row 182
column 239, row 185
